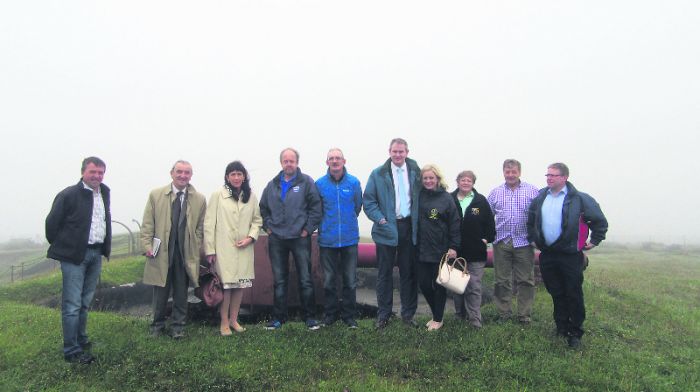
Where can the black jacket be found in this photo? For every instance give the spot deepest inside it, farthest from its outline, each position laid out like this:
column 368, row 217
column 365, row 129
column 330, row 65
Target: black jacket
column 576, row 204
column 301, row 209
column 438, row 225
column 68, row 224
column 476, row 224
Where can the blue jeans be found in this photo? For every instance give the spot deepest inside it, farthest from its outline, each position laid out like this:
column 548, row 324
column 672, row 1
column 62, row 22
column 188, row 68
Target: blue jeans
column 339, row 262
column 79, row 283
column 279, row 250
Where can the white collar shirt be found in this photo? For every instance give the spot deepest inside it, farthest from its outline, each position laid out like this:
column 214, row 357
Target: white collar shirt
column 98, row 225
column 407, row 188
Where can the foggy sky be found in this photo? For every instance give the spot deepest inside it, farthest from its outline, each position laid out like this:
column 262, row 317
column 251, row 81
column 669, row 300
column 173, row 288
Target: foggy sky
column 609, row 87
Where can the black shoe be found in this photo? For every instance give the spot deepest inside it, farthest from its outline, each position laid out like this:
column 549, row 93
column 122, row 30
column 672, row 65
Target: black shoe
column 177, row 334
column 81, row 358
column 381, row 324
column 524, row 320
column 574, row 341
column 351, row 323
column 410, row 322
column 328, row 321
column 503, row 318
column 87, row 346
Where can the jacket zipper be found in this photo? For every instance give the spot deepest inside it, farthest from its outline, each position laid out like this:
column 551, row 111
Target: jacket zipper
column 337, row 197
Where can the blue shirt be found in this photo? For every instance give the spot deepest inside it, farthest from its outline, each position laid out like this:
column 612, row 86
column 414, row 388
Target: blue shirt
column 552, row 215
column 285, row 185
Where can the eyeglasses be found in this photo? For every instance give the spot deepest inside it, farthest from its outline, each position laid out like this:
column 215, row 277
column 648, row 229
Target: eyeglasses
column 552, row 175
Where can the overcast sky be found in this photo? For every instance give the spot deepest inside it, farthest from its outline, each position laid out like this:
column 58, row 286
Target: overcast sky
column 612, row 88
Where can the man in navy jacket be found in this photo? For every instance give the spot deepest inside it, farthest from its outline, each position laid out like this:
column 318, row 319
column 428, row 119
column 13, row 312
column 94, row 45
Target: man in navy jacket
column 558, row 222
column 79, row 231
column 338, row 236
column 291, row 211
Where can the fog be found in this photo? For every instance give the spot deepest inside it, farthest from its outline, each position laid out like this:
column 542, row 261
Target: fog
column 611, row 88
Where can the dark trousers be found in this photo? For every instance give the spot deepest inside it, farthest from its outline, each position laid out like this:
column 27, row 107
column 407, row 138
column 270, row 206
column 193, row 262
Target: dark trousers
column 178, row 282
column 404, row 253
column 279, row 250
column 435, row 295
column 339, row 263
column 562, row 275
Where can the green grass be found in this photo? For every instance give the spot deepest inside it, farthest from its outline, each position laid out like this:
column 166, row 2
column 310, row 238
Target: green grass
column 643, row 334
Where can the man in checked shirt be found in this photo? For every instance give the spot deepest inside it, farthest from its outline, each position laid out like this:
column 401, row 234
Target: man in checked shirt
column 513, row 256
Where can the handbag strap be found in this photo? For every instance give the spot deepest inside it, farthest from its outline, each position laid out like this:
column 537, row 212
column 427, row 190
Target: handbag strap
column 461, row 262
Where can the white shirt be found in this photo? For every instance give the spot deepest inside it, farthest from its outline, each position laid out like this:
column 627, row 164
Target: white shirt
column 182, row 197
column 98, row 225
column 407, row 187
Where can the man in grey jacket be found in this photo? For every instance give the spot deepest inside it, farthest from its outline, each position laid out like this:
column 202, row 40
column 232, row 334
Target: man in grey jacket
column 291, row 210
column 391, row 202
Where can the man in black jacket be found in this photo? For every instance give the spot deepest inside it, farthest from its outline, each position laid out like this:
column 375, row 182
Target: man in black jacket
column 79, row 230
column 558, row 222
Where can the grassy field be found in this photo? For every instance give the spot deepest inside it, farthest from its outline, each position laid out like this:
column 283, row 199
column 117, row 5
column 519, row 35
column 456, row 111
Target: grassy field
column 643, row 334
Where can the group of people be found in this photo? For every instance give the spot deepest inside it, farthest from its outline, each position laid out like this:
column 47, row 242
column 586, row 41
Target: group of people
column 415, row 222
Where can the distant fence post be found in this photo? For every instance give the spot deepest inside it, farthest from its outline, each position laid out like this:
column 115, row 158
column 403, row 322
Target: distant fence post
column 137, row 247
column 131, row 236
column 21, row 275
column 12, row 274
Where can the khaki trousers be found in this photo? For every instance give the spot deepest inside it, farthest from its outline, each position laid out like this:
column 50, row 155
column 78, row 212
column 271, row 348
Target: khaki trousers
column 514, row 264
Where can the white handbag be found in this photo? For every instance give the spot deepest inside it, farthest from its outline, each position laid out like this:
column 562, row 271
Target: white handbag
column 455, row 276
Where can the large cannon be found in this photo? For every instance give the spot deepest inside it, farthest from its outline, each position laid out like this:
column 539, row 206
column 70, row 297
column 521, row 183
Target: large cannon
column 262, row 292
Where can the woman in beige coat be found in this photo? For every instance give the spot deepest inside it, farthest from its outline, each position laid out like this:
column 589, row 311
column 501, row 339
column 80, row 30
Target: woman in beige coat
column 231, row 226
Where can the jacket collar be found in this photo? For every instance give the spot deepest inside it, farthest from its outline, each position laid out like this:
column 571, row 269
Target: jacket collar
column 342, row 177
column 103, row 187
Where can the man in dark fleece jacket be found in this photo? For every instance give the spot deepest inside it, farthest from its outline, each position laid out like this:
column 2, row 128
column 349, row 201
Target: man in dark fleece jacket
column 558, row 222
column 291, row 210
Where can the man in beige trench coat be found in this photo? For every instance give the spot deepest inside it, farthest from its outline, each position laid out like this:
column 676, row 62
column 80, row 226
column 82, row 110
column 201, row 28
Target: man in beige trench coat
column 174, row 215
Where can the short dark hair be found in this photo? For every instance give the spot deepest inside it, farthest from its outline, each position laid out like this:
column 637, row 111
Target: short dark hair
column 292, row 150
column 95, row 161
column 511, row 162
column 398, row 140
column 563, row 169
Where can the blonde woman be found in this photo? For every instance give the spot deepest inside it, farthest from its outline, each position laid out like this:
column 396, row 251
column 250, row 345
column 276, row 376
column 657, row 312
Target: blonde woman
column 438, row 233
column 231, row 226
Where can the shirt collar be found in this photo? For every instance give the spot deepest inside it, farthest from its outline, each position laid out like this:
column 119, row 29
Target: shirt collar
column 564, row 191
column 175, row 190
column 90, row 189
column 394, row 167
column 290, row 180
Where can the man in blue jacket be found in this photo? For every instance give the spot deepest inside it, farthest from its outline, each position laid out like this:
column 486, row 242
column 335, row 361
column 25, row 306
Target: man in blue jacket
column 391, row 203
column 338, row 235
column 558, row 222
column 79, row 229
column 291, row 211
